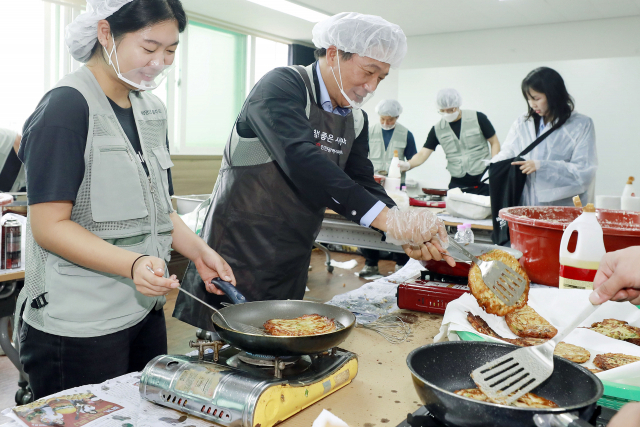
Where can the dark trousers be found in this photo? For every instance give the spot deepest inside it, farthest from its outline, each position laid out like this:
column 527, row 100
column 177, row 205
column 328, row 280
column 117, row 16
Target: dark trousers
column 55, row 363
column 372, row 256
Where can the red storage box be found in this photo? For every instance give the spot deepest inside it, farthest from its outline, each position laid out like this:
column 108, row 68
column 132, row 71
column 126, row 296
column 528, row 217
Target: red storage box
column 536, row 231
column 428, row 297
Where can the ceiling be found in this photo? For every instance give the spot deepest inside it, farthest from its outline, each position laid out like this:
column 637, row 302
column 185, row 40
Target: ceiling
column 416, row 17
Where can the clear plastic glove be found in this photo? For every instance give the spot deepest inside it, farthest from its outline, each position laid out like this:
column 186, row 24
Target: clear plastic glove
column 403, row 166
column 416, row 227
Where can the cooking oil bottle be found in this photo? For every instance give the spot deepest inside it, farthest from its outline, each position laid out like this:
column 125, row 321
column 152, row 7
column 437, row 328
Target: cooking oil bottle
column 578, row 268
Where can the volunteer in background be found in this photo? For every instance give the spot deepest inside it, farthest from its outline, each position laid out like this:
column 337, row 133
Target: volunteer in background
column 12, row 177
column 565, row 163
column 385, row 137
column 300, row 145
column 463, row 135
column 100, row 213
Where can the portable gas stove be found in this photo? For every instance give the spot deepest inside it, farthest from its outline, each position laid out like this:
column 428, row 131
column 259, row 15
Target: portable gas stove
column 233, row 388
column 423, row 418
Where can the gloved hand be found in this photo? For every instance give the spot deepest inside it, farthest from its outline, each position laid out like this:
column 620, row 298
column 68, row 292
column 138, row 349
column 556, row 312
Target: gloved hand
column 403, row 166
column 415, row 226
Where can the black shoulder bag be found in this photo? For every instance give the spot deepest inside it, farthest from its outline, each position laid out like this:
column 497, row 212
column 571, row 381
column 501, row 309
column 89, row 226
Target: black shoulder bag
column 506, row 183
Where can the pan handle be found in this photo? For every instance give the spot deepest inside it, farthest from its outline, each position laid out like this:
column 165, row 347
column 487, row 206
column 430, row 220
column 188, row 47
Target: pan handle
column 231, row 291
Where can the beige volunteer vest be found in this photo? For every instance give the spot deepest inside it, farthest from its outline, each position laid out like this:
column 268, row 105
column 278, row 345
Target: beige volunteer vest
column 464, row 155
column 117, row 202
column 381, row 158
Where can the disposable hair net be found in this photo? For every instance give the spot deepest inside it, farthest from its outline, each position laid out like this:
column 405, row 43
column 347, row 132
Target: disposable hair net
column 448, row 98
column 81, row 35
column 389, row 107
column 365, row 35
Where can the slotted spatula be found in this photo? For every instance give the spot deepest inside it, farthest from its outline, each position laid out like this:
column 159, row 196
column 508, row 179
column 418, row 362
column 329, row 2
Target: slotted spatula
column 507, row 378
column 504, row 282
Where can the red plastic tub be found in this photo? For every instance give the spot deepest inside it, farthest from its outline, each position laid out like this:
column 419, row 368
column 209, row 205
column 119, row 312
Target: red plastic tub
column 536, row 232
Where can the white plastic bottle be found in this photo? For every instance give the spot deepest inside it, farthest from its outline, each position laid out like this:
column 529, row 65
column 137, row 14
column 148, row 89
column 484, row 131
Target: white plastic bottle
column 578, row 269
column 394, row 170
column 460, row 235
column 628, row 189
column 470, row 238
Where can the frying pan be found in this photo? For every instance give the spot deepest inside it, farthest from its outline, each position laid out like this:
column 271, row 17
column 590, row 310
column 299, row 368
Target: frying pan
column 256, row 313
column 440, row 369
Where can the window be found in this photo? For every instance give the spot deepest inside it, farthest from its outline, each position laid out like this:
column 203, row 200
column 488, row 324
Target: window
column 212, row 86
column 22, row 72
column 269, row 55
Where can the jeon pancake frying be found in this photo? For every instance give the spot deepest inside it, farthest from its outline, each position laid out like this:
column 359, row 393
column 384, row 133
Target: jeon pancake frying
column 485, row 296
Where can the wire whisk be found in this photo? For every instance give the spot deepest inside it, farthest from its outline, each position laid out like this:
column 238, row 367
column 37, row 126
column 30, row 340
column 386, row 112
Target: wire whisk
column 391, row 327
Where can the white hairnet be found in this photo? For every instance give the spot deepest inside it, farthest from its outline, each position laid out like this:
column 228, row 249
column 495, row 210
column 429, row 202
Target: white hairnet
column 365, row 35
column 448, row 98
column 389, row 107
column 82, row 33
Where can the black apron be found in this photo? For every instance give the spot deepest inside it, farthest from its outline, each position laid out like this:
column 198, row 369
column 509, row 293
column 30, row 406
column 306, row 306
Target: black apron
column 262, row 226
column 506, row 183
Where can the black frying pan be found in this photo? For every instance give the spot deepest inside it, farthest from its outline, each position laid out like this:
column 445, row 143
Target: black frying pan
column 440, row 369
column 256, row 313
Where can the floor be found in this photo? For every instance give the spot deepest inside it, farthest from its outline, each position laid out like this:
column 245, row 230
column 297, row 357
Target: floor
column 322, row 284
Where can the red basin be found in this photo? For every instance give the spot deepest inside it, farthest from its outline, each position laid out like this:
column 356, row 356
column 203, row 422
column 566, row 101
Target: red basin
column 536, row 232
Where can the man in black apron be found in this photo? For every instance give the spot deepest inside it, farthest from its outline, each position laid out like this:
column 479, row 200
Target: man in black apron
column 294, row 151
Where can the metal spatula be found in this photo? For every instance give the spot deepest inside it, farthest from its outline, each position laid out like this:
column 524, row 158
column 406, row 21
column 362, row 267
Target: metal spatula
column 503, row 281
column 507, row 378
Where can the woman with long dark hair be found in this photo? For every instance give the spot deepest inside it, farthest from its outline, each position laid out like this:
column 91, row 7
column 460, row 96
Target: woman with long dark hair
column 101, row 224
column 565, row 163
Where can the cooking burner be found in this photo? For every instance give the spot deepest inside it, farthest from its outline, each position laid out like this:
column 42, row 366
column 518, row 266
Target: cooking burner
column 264, row 360
column 280, row 366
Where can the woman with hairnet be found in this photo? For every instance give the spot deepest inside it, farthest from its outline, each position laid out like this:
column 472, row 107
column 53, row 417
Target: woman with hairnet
column 565, row 163
column 385, row 137
column 463, row 135
column 101, row 225
column 300, row 145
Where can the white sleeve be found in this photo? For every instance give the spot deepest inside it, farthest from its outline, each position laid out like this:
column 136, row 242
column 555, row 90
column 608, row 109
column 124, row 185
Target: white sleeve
column 508, row 149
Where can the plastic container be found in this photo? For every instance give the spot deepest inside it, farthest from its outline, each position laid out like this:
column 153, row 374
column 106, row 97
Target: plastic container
column 428, row 297
column 460, row 236
column 536, row 231
column 394, row 170
column 578, row 268
column 468, row 232
column 628, row 190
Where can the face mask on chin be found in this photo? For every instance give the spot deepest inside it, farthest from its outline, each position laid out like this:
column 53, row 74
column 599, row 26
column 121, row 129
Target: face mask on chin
column 145, row 78
column 388, row 127
column 353, row 104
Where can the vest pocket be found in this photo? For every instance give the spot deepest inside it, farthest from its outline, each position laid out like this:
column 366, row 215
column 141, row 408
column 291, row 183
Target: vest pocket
column 165, row 163
column 375, row 150
column 79, row 294
column 449, row 145
column 454, row 166
column 116, row 191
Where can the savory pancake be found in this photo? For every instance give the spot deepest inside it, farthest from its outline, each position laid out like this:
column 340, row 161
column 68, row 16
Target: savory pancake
column 479, row 324
column 608, row 361
column 529, row 400
column 617, row 329
column 485, row 296
column 570, row 352
column 573, row 353
column 309, row 324
column 525, row 322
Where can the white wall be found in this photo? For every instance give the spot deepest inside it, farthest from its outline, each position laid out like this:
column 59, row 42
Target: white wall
column 599, row 61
